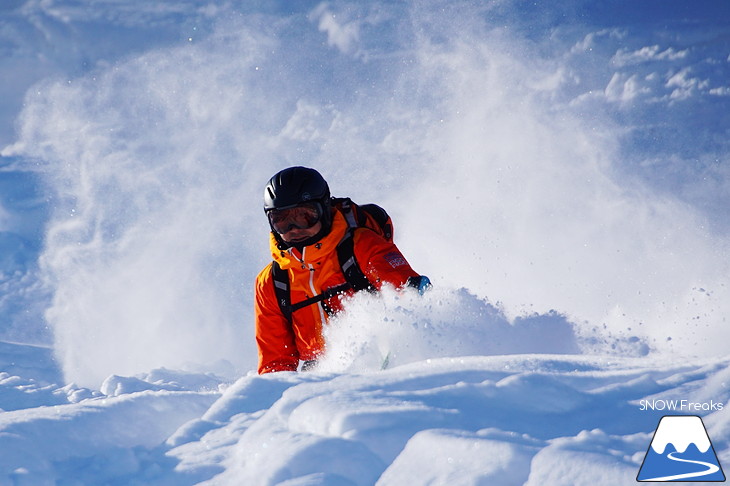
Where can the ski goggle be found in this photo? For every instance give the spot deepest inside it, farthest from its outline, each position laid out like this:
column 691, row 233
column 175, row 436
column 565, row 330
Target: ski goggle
column 303, row 216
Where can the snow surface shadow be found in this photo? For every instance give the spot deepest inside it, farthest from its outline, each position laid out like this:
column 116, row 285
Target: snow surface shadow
column 436, row 417
column 524, row 413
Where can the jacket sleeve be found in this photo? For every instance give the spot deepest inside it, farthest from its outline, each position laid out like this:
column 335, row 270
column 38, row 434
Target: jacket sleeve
column 274, row 335
column 381, row 260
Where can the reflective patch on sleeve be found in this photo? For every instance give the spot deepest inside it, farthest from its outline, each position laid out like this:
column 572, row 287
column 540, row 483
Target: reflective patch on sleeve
column 395, row 259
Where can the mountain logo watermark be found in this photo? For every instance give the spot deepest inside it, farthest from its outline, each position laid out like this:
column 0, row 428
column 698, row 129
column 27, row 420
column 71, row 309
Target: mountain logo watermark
column 681, row 451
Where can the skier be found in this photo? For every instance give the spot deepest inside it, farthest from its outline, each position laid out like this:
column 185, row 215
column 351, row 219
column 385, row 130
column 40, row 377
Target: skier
column 323, row 249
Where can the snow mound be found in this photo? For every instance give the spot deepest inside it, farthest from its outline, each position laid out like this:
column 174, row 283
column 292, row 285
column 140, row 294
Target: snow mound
column 534, row 419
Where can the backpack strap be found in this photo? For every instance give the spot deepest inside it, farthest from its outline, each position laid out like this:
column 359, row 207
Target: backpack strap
column 348, row 263
column 281, row 289
column 346, row 207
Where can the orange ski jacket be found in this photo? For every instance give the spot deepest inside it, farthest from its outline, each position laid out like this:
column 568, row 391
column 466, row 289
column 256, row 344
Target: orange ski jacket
column 281, row 343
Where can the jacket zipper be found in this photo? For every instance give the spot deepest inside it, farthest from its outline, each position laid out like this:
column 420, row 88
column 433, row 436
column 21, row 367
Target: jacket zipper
column 311, row 286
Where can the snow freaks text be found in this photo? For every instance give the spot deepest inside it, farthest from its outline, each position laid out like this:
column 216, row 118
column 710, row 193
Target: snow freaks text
column 680, row 405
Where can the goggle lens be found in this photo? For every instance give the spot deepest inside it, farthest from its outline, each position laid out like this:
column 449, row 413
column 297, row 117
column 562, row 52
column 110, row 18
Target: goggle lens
column 304, row 216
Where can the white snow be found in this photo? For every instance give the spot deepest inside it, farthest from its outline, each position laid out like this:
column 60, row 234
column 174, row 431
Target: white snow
column 560, row 175
column 511, row 419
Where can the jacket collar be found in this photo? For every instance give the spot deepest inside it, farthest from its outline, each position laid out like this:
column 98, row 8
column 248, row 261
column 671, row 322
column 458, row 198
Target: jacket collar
column 322, row 249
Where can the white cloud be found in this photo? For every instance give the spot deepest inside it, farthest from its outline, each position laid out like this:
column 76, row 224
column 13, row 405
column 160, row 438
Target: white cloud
column 341, row 33
column 308, row 123
column 685, row 85
column 589, row 41
column 721, row 91
column 625, row 57
column 622, row 89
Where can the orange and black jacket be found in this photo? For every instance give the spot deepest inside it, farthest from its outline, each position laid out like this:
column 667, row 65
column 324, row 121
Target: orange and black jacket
column 281, row 343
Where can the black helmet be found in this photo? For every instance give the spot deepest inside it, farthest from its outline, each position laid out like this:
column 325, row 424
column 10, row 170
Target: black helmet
column 298, row 185
column 294, row 186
